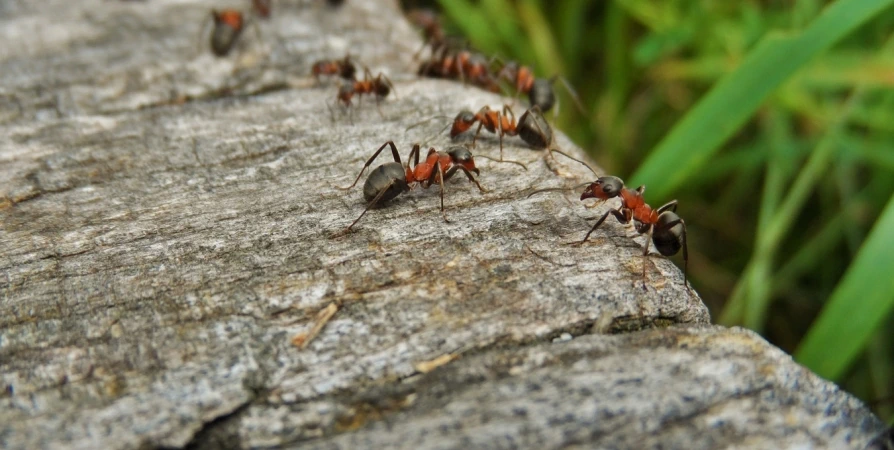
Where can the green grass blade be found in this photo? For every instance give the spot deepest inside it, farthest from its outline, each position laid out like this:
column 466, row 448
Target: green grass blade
column 549, row 59
column 862, row 301
column 735, row 98
column 473, row 23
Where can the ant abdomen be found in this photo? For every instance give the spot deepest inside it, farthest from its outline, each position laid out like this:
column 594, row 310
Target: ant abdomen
column 668, row 233
column 534, row 129
column 390, row 177
column 542, row 94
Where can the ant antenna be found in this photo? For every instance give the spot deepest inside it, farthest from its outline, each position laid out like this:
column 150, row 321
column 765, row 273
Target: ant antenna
column 503, row 161
column 557, row 189
column 575, row 159
column 574, row 97
column 441, row 131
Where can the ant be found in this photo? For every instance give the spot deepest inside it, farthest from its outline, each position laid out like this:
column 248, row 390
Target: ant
column 664, row 227
column 262, row 8
column 539, row 90
column 531, row 127
column 496, row 122
column 228, row 25
column 389, row 180
column 430, row 23
column 344, row 68
column 380, row 86
column 462, row 65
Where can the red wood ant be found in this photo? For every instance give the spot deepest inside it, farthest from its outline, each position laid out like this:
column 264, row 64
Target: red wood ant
column 501, row 124
column 430, row 23
column 262, row 8
column 664, row 227
column 344, row 68
column 539, row 90
column 531, row 127
column 463, row 65
column 389, row 180
column 380, row 86
column 228, row 25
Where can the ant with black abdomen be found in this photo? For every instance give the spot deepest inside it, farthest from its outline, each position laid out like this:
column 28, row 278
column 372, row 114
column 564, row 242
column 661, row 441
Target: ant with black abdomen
column 665, row 229
column 380, row 86
column 389, row 180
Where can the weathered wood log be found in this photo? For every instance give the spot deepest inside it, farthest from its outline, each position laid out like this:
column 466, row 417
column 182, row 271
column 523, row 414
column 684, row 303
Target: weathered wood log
column 172, row 274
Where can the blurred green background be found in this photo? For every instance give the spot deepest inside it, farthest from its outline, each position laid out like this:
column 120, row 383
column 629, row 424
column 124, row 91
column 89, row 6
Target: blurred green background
column 772, row 122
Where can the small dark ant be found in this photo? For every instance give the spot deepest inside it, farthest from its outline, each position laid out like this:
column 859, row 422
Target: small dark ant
column 380, row 86
column 262, row 8
column 228, row 25
column 539, row 90
column 344, row 68
column 664, row 227
column 389, row 180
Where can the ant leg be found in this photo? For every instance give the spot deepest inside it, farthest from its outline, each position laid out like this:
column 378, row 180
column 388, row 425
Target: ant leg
column 477, row 132
column 646, row 253
column 371, row 159
column 671, row 205
column 571, row 92
column 470, row 177
column 413, row 154
column 437, row 176
column 672, row 224
column 379, row 106
column 203, row 30
column 613, row 212
column 387, row 82
column 368, row 207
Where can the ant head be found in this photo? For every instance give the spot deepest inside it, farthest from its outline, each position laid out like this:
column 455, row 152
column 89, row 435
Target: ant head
column 542, row 94
column 603, row 188
column 229, row 17
column 462, row 122
column 534, row 129
column 463, row 157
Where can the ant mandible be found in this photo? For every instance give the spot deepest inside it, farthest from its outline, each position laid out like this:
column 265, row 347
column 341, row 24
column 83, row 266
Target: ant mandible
column 389, row 180
column 344, row 68
column 664, row 227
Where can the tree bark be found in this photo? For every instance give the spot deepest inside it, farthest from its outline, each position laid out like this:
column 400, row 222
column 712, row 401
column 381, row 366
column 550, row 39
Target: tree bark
column 173, row 272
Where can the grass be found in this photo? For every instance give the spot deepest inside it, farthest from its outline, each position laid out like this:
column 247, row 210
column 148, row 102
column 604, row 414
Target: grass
column 777, row 120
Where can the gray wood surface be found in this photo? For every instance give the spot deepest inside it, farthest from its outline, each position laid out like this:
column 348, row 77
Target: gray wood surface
column 168, row 246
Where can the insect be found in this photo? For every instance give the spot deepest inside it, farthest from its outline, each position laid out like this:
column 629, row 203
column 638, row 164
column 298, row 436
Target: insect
column 463, row 65
column 228, row 25
column 539, row 90
column 389, row 180
column 501, row 124
column 432, row 31
column 665, row 229
column 344, row 68
column 262, row 8
column 380, row 86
